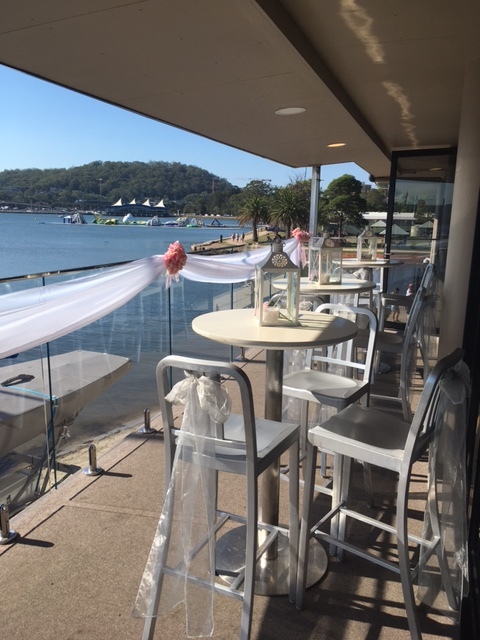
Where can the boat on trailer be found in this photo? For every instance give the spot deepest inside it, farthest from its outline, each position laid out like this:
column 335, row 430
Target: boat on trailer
column 75, row 378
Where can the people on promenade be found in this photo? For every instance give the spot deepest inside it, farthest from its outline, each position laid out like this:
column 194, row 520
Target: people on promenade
column 409, row 292
column 395, row 309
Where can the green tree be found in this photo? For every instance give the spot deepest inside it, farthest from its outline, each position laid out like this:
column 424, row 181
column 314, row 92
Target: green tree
column 261, row 188
column 342, row 203
column 195, row 203
column 377, row 199
column 254, row 211
column 291, row 207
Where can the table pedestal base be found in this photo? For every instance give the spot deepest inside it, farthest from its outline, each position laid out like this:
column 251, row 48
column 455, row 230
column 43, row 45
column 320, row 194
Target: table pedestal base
column 383, row 367
column 271, row 575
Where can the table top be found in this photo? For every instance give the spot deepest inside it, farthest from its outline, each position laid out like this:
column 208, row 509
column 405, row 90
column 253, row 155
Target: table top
column 349, row 284
column 371, row 264
column 240, row 328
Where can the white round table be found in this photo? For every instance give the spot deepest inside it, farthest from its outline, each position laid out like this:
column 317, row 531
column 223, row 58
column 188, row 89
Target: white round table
column 240, row 328
column 312, row 287
column 371, row 264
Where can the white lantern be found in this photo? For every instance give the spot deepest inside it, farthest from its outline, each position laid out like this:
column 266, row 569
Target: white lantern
column 282, row 308
column 325, row 260
column 367, row 244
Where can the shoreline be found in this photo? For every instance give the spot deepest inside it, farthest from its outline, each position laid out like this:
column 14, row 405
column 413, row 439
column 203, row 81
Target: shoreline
column 227, row 244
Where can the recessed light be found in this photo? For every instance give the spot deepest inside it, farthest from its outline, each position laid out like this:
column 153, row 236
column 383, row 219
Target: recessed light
column 336, row 144
column 290, row 111
column 436, row 169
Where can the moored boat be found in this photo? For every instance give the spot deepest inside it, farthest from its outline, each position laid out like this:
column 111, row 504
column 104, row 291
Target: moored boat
column 77, row 378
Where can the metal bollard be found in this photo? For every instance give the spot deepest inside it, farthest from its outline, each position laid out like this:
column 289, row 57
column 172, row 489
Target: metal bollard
column 147, row 429
column 7, row 535
column 92, row 469
column 242, row 357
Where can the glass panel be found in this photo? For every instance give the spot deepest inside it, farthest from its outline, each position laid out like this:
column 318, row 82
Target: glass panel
column 127, row 344
column 421, row 220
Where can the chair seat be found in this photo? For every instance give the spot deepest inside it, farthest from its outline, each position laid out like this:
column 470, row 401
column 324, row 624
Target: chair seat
column 388, row 341
column 363, row 433
column 321, row 386
column 273, row 439
column 269, row 433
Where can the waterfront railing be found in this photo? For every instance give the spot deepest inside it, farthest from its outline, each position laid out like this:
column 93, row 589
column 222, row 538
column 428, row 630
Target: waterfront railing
column 155, row 323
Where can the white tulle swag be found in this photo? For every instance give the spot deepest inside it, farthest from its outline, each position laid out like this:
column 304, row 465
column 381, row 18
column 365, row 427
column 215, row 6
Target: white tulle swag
column 32, row 317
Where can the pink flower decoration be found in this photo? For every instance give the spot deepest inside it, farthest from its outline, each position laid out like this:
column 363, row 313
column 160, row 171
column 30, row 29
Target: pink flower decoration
column 175, row 259
column 300, row 235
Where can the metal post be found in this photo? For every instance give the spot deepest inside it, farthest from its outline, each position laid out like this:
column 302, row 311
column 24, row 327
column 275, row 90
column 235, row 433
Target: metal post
column 273, row 411
column 314, row 197
column 147, row 429
column 242, row 357
column 92, row 469
column 7, row 535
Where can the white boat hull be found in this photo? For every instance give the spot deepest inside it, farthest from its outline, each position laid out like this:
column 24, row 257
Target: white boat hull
column 77, row 378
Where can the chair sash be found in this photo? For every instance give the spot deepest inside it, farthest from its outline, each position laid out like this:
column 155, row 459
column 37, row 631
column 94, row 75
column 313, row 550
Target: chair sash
column 184, row 543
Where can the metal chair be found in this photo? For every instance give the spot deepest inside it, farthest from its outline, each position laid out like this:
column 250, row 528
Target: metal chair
column 405, row 344
column 335, row 376
column 379, row 439
column 427, row 282
column 242, row 445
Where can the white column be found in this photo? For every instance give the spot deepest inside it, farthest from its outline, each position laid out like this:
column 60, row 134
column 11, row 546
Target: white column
column 314, row 194
column 464, row 210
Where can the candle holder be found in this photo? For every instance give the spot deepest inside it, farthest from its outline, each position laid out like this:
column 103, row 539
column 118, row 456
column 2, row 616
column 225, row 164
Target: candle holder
column 367, row 246
column 325, row 260
column 282, row 308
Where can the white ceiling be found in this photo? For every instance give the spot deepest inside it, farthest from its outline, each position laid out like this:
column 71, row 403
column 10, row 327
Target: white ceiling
column 377, row 75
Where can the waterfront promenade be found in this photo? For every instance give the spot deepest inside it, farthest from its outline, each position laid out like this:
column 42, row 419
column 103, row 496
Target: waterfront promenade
column 75, row 569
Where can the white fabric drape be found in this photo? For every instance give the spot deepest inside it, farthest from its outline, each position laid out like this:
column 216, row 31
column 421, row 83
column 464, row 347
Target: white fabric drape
column 181, row 563
column 35, row 316
column 235, row 267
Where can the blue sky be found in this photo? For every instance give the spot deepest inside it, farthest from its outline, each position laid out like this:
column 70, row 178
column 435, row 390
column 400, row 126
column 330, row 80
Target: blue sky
column 44, row 126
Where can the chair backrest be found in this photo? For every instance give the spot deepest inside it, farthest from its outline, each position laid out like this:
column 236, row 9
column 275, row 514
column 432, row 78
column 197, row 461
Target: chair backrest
column 427, row 418
column 239, row 452
column 345, row 354
column 428, row 278
column 408, row 361
column 426, row 329
column 415, row 310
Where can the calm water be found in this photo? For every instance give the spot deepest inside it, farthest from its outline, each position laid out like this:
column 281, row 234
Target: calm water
column 32, row 243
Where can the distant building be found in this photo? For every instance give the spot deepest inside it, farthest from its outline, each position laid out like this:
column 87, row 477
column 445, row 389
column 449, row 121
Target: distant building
column 144, row 210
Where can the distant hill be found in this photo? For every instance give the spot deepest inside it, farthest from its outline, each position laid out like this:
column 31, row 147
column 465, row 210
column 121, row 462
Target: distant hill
column 99, row 184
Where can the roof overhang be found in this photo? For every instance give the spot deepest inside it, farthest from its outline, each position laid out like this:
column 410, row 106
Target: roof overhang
column 376, row 76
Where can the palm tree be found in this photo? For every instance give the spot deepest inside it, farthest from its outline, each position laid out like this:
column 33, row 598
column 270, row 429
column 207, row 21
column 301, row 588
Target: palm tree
column 291, row 207
column 254, row 211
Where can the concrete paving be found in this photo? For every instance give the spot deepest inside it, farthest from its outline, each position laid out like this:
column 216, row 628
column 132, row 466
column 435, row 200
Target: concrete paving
column 75, row 569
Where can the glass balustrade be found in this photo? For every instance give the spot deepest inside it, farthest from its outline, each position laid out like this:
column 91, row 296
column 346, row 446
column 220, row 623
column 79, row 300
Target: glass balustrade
column 96, row 382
